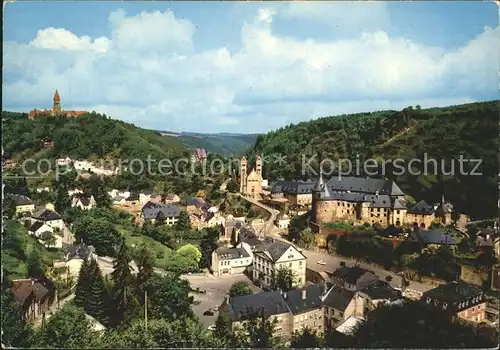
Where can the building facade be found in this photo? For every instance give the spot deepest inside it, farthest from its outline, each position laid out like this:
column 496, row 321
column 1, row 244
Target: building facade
column 230, row 261
column 251, row 183
column 273, row 255
column 459, row 299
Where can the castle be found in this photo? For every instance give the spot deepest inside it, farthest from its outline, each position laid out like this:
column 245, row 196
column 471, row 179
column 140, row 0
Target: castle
column 251, row 184
column 55, row 111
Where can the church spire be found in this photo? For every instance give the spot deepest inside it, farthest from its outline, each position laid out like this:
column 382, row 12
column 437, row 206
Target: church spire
column 57, row 102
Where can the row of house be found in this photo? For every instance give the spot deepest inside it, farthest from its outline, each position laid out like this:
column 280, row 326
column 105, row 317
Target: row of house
column 346, row 301
column 319, row 307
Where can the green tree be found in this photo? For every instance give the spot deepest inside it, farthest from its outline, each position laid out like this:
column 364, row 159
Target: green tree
column 98, row 302
column 98, row 232
column 145, row 260
column 84, row 283
column 233, row 186
column 168, row 297
column 16, row 331
column 69, row 328
column 183, row 223
column 207, row 245
column 282, row 279
column 240, row 288
column 305, row 338
column 223, row 329
column 8, row 207
column 123, row 280
column 35, row 263
column 306, row 239
column 258, row 332
column 418, row 326
column 62, row 201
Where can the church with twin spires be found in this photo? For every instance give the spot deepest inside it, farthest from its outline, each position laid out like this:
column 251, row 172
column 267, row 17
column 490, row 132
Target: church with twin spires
column 56, row 110
column 251, row 183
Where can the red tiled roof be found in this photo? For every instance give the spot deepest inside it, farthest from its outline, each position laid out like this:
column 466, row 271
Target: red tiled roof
column 56, row 96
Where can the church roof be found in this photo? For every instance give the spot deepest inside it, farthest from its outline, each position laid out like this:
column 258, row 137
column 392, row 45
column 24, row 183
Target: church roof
column 56, row 96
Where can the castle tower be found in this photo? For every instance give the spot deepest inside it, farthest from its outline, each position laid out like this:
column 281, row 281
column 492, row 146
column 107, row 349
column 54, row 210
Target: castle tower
column 320, row 192
column 57, row 103
column 258, row 165
column 243, row 175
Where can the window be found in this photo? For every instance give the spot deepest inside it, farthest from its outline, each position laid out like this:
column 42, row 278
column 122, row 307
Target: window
column 300, row 263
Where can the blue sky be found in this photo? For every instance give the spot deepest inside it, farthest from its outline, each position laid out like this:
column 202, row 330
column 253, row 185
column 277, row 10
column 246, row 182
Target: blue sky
column 247, row 67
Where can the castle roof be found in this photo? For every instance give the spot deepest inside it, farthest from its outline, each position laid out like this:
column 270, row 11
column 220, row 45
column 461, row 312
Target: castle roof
column 56, row 96
column 365, row 185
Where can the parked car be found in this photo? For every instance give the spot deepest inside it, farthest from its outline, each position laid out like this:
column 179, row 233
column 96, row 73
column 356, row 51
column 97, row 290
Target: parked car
column 209, row 312
column 321, row 262
column 211, row 328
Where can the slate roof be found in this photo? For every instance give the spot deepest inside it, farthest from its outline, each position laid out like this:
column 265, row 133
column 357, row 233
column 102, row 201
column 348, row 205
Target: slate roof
column 365, row 185
column 292, row 187
column 20, row 199
column 338, row 298
column 380, row 201
column 199, row 203
column 454, row 291
column 46, row 215
column 421, row 208
column 355, row 276
column 312, row 301
column 134, row 196
column 151, row 210
column 231, row 253
column 86, row 200
column 273, row 248
column 80, row 250
column 269, row 303
column 36, row 225
column 432, row 236
column 380, row 290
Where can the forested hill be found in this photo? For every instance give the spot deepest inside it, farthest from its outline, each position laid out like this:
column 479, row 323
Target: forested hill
column 224, row 144
column 91, row 136
column 446, row 133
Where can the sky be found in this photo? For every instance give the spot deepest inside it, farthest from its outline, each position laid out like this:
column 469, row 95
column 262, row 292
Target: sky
column 247, row 67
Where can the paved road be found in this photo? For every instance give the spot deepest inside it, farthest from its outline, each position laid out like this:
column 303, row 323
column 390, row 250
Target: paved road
column 269, row 226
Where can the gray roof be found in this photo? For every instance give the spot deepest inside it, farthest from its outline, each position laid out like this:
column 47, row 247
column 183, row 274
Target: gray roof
column 152, row 210
column 292, row 187
column 433, row 236
column 338, row 298
column 381, row 290
column 36, row 225
column 275, row 248
column 269, row 303
column 380, row 201
column 86, row 200
column 365, row 185
column 231, row 253
column 20, row 199
column 46, row 215
column 347, row 197
column 312, row 299
column 421, row 208
column 80, row 250
column 454, row 291
column 355, row 276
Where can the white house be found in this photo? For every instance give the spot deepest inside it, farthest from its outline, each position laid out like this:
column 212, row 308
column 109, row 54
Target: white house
column 215, row 220
column 83, row 165
column 74, row 191
column 145, row 196
column 63, row 161
column 123, row 193
column 85, row 203
column 49, row 216
column 42, row 189
column 230, row 261
column 119, row 200
column 113, row 193
column 283, row 222
column 38, row 227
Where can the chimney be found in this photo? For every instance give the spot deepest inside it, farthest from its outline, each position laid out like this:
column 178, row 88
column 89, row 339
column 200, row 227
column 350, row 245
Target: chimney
column 304, row 295
column 342, row 264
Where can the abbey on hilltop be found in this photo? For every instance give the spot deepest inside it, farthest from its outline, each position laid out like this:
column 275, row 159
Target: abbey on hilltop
column 56, row 110
column 252, row 184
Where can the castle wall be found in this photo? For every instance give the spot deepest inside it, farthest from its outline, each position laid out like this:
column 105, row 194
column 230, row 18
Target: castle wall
column 420, row 219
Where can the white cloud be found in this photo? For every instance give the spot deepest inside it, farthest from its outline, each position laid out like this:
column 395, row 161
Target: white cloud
column 149, row 73
column 62, row 39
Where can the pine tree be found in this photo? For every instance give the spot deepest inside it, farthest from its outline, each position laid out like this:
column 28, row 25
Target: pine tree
column 122, row 293
column 83, row 285
column 145, row 266
column 97, row 304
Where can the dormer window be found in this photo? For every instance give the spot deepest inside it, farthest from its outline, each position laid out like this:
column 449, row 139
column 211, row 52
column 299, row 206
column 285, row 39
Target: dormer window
column 428, row 300
column 445, row 306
